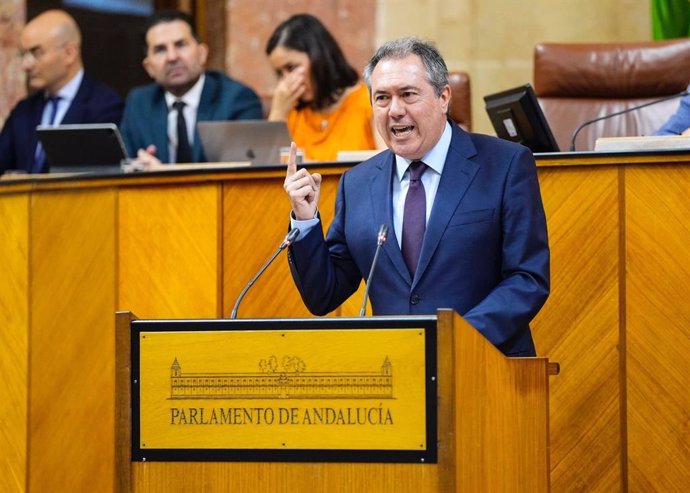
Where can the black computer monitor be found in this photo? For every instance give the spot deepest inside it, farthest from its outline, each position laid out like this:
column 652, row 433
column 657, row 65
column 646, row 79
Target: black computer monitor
column 516, row 116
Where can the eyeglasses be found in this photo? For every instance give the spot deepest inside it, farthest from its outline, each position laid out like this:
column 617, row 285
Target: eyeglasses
column 37, row 52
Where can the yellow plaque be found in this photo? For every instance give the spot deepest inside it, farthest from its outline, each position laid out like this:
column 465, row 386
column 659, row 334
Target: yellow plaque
column 355, row 389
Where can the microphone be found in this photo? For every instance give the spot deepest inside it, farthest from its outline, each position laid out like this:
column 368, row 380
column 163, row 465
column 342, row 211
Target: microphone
column 617, row 113
column 289, row 240
column 380, row 240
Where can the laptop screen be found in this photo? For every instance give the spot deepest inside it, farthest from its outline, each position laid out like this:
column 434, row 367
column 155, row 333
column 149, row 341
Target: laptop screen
column 82, row 147
column 254, row 141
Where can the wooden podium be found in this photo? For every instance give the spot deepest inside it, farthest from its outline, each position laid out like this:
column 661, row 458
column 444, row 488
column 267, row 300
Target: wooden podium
column 490, row 416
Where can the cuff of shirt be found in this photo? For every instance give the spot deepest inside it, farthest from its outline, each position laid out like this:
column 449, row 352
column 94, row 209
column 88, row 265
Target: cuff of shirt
column 304, row 226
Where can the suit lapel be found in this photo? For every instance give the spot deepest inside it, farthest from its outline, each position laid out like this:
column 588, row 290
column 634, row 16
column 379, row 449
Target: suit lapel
column 159, row 131
column 458, row 173
column 381, row 191
column 34, row 120
column 75, row 112
column 207, row 103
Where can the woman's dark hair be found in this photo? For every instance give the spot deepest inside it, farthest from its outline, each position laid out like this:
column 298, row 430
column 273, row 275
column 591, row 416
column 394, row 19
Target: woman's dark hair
column 330, row 72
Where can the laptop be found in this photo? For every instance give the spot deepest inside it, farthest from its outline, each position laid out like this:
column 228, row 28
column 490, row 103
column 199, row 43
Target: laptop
column 254, row 141
column 78, row 148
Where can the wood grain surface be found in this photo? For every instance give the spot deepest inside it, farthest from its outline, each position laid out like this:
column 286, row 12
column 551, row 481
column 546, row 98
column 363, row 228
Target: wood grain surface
column 74, row 251
column 14, row 343
column 493, row 436
column 71, row 340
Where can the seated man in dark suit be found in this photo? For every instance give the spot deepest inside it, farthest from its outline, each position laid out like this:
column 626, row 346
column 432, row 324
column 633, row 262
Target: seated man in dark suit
column 468, row 229
column 160, row 118
column 51, row 58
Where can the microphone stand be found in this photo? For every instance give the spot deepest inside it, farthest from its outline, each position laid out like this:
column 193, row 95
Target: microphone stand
column 628, row 110
column 289, row 240
column 381, row 239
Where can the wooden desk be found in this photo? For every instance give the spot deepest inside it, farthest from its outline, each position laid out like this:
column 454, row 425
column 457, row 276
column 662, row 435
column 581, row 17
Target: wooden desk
column 182, row 245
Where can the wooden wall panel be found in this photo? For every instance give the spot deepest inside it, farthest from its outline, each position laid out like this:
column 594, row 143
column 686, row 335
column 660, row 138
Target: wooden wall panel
column 14, row 351
column 71, row 416
column 658, row 302
column 604, row 317
column 579, row 326
column 169, row 251
column 149, row 477
column 256, row 219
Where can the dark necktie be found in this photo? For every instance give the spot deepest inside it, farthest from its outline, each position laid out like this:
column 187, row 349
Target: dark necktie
column 414, row 218
column 184, row 152
column 40, row 155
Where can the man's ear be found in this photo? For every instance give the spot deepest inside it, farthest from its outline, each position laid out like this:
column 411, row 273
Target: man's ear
column 146, row 63
column 445, row 98
column 71, row 53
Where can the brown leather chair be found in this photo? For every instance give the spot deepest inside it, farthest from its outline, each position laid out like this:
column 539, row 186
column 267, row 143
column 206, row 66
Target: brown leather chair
column 460, row 104
column 579, row 82
column 461, row 99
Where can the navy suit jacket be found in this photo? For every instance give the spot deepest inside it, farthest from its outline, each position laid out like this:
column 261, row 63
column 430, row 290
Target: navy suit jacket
column 94, row 103
column 146, row 114
column 485, row 252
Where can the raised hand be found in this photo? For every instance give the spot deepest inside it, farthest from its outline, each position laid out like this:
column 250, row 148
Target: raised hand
column 302, row 187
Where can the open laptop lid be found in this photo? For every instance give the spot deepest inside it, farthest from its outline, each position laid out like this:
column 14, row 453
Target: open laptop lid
column 256, row 141
column 88, row 147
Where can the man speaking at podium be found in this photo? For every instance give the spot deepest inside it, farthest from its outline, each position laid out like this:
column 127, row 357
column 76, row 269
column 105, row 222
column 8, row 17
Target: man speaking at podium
column 465, row 211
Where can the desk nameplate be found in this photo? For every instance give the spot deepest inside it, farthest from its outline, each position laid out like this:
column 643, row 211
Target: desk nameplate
column 284, row 392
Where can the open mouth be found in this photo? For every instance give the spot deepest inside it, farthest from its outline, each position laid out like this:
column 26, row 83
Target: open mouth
column 402, row 130
column 176, row 70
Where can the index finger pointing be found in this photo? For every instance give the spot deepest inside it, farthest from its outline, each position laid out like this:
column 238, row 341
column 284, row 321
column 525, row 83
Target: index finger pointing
column 292, row 160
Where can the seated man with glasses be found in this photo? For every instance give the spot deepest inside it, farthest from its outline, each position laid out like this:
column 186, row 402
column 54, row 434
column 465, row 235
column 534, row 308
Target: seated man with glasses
column 63, row 93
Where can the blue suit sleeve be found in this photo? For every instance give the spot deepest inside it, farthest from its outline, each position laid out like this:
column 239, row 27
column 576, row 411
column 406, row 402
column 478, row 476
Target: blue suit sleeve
column 111, row 108
column 126, row 127
column 524, row 287
column 324, row 272
column 7, row 159
column 679, row 122
column 247, row 105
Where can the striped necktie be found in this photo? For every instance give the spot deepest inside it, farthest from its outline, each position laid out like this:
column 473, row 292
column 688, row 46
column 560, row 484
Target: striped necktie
column 40, row 156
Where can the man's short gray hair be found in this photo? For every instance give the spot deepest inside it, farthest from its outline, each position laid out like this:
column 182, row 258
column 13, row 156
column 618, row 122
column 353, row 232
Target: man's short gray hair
column 434, row 65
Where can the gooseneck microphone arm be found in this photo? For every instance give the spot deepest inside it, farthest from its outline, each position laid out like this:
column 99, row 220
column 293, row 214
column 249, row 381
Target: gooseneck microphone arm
column 380, row 240
column 289, row 240
column 617, row 113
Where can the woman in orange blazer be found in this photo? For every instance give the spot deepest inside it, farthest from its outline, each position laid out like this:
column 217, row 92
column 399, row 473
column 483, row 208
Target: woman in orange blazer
column 318, row 94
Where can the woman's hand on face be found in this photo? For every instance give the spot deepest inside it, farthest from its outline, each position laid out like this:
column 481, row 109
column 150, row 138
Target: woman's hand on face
column 288, row 93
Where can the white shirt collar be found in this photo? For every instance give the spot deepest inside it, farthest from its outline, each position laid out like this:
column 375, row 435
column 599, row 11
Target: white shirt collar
column 69, row 91
column 191, row 98
column 434, row 159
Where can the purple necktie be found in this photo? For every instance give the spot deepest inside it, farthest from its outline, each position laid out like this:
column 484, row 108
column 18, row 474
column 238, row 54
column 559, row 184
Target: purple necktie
column 414, row 219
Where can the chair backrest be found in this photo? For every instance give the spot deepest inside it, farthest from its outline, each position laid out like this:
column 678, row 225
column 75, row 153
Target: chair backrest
column 460, row 103
column 461, row 99
column 579, row 82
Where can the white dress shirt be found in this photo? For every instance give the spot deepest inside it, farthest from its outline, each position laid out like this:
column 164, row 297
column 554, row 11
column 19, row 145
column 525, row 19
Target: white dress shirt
column 191, row 100
column 66, row 94
column 435, row 159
